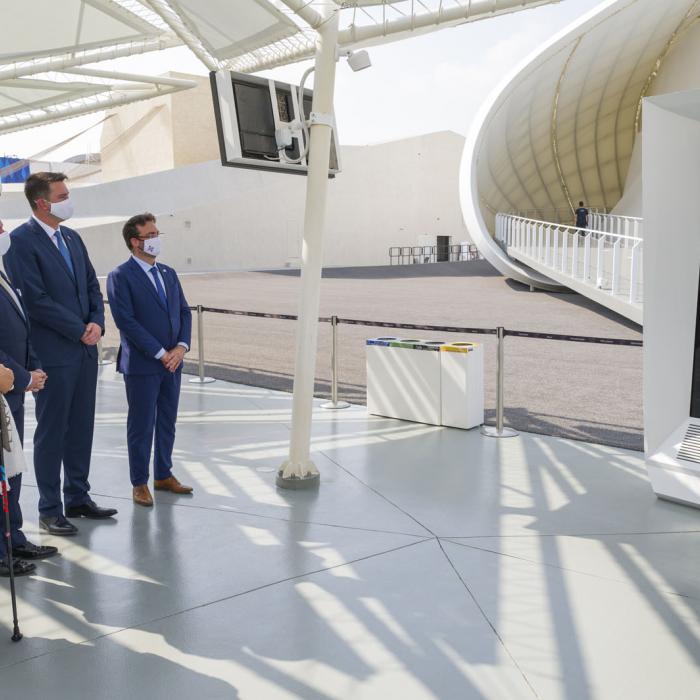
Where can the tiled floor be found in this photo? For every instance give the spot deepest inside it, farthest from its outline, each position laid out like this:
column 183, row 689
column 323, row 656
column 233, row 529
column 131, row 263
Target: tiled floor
column 432, row 563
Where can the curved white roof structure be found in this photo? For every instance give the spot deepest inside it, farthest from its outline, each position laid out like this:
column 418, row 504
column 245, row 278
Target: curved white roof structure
column 43, row 73
column 563, row 127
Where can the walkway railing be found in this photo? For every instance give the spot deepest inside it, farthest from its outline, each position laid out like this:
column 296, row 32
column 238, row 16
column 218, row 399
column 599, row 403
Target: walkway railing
column 607, row 261
column 423, row 254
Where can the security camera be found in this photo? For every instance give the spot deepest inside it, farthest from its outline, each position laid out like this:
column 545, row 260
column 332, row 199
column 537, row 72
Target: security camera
column 357, row 60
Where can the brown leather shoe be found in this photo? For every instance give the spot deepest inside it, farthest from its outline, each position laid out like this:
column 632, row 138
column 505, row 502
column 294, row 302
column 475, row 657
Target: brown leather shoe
column 142, row 496
column 171, row 484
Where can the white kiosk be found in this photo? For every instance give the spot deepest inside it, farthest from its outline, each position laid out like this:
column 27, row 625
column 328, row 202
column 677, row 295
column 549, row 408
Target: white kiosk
column 671, row 156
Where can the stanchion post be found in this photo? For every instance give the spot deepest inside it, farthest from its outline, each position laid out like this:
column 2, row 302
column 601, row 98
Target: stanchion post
column 499, row 431
column 100, row 356
column 201, row 379
column 334, row 404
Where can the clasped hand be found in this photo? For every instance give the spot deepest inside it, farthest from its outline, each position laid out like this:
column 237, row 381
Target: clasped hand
column 39, row 378
column 92, row 334
column 173, row 358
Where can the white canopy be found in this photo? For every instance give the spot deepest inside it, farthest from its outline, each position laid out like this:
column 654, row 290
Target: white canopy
column 46, row 45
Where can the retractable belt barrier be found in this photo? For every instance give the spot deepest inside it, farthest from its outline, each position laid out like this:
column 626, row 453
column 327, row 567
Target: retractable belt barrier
column 499, row 430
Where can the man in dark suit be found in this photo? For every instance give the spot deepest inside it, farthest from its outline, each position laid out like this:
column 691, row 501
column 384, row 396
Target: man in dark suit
column 16, row 354
column 155, row 325
column 49, row 264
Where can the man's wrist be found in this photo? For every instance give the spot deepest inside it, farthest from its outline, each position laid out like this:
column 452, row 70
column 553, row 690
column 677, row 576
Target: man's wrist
column 184, row 345
column 160, row 354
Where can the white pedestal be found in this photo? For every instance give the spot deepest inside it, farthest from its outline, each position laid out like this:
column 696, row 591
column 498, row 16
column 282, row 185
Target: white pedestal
column 404, row 382
column 462, row 382
column 673, row 477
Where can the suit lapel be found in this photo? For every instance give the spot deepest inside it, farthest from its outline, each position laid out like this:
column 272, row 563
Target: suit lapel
column 139, row 274
column 44, row 241
column 21, row 312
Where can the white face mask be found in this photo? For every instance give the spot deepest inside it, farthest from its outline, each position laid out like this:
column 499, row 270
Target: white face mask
column 5, row 242
column 62, row 210
column 151, row 246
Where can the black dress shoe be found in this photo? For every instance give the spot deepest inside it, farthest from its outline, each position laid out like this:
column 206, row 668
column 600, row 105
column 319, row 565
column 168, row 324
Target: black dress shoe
column 21, row 567
column 33, row 551
column 57, row 525
column 90, row 510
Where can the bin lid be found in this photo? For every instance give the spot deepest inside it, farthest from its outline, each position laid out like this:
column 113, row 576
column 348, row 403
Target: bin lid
column 385, row 340
column 458, row 346
column 413, row 344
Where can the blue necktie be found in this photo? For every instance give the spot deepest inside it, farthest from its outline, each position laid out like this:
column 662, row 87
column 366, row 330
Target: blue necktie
column 63, row 250
column 159, row 286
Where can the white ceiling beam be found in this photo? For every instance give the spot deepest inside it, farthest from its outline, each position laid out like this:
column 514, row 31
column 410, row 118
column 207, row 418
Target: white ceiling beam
column 134, row 77
column 63, row 61
column 393, row 30
column 303, row 9
column 177, row 25
column 67, row 111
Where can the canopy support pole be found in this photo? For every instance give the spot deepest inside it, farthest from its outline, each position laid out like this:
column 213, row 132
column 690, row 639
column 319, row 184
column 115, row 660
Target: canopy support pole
column 298, row 471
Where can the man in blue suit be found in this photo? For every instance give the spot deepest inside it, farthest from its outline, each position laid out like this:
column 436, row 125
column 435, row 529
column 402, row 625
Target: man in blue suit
column 17, row 354
column 49, row 264
column 155, row 325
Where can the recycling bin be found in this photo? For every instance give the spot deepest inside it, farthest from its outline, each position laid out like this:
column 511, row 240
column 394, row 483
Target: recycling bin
column 462, row 384
column 403, row 379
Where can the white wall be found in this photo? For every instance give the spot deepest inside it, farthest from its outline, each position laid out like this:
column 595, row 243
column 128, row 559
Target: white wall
column 671, row 154
column 221, row 218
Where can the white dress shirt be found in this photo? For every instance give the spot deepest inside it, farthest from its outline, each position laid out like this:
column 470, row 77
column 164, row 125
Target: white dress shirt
column 50, row 232
column 147, row 271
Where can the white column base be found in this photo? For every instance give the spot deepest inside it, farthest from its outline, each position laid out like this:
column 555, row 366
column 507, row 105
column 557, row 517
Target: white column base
column 298, row 475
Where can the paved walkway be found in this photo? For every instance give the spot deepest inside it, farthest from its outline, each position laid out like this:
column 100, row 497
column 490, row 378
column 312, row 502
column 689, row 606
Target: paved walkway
column 586, row 392
column 433, row 564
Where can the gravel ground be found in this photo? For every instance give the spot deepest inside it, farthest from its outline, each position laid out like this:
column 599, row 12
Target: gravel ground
column 581, row 391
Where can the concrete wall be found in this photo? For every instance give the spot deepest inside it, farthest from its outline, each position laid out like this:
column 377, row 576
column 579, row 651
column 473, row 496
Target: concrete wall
column 217, row 218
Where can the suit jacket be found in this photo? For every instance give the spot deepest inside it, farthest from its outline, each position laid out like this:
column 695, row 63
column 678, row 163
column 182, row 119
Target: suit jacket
column 16, row 350
column 145, row 324
column 59, row 305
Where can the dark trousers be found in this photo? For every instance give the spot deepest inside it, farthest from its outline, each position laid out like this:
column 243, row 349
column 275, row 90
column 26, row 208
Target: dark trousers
column 16, row 533
column 153, row 400
column 65, row 414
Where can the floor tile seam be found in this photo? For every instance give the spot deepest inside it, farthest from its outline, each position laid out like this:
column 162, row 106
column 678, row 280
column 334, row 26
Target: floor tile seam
column 662, row 591
column 487, row 619
column 70, row 645
column 380, row 494
column 215, row 509
column 583, row 535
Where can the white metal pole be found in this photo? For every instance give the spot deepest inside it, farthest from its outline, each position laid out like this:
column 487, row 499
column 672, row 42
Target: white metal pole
column 298, row 471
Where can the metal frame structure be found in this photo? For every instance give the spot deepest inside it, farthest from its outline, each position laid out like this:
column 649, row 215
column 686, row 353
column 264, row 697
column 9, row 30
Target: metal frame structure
column 155, row 25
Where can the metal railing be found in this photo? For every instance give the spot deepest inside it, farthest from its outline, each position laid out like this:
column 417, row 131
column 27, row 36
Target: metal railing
column 562, row 215
column 420, row 255
column 628, row 226
column 498, row 431
column 607, row 261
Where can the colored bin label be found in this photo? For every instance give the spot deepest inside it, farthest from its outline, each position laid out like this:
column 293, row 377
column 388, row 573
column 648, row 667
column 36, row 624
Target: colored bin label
column 458, row 347
column 385, row 342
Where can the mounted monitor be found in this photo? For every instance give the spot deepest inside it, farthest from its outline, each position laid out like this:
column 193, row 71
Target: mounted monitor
column 259, row 124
